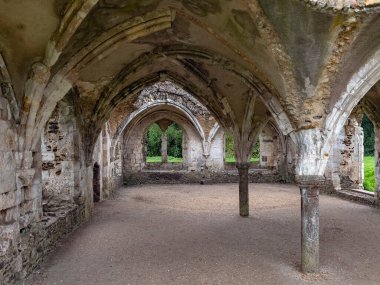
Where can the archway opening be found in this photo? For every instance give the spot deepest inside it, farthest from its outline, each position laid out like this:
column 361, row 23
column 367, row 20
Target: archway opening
column 164, row 144
column 352, row 161
column 369, row 180
column 154, row 144
column 230, row 154
column 175, row 143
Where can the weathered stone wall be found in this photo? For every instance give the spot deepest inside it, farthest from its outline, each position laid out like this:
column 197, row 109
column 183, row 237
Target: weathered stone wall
column 215, row 160
column 44, row 195
column 109, row 161
column 60, row 155
column 98, row 163
column 37, row 241
column 116, row 165
column 201, row 177
column 11, row 197
column 270, row 148
column 107, row 167
column 78, row 48
column 274, row 152
column 290, row 159
column 345, row 167
column 20, row 201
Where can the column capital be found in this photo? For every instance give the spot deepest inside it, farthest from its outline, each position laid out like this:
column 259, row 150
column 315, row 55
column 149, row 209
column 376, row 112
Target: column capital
column 310, row 180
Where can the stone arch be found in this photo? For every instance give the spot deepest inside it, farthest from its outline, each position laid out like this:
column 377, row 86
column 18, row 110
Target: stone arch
column 131, row 29
column 277, row 149
column 60, row 84
column 358, row 86
column 213, row 132
column 137, row 86
column 155, row 105
column 192, row 83
column 315, row 145
column 133, row 157
column 374, row 117
column 274, row 126
column 268, row 96
column 211, row 136
column 142, row 110
column 116, row 87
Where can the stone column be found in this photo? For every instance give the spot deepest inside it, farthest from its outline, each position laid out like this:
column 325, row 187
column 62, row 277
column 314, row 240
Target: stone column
column 309, row 188
column 243, row 188
column 164, row 147
column 377, row 163
column 360, row 155
column 164, row 125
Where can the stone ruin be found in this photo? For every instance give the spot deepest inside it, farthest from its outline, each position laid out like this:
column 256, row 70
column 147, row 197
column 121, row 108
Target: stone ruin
column 82, row 80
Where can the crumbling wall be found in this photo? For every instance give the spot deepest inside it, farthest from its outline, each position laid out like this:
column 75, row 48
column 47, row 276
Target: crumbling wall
column 45, row 193
column 215, row 161
column 20, row 198
column 108, row 158
column 270, row 148
column 202, row 177
column 97, row 169
column 11, row 197
column 106, row 172
column 60, row 156
column 345, row 169
column 290, row 159
column 116, row 165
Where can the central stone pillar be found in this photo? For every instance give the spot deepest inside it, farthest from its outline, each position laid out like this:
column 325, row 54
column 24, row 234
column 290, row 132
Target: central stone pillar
column 243, row 188
column 164, row 146
column 309, row 188
column 164, row 125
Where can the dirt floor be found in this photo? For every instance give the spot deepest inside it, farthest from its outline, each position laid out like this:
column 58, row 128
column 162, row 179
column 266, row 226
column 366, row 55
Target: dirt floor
column 192, row 234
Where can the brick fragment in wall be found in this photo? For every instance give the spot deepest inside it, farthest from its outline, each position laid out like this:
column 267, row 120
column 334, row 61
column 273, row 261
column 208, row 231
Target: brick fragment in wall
column 53, row 127
column 9, row 215
column 47, row 156
column 48, row 165
column 345, row 163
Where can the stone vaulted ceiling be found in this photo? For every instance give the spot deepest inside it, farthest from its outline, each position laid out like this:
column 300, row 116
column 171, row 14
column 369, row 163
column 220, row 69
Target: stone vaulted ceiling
column 295, row 56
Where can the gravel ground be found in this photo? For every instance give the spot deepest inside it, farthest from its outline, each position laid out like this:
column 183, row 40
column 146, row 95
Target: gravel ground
column 192, row 234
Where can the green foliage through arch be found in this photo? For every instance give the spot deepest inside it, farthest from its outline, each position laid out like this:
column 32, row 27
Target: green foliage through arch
column 174, row 136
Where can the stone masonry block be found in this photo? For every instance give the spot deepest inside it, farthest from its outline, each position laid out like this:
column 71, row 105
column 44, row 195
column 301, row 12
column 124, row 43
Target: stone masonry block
column 9, row 215
column 48, row 156
column 7, row 181
column 7, row 200
column 32, row 192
